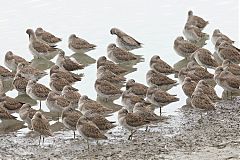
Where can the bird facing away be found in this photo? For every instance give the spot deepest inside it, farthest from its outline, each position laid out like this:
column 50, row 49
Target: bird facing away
column 217, row 34
column 131, row 121
column 106, row 90
column 226, row 51
column 85, row 104
column 67, row 63
column 227, row 80
column 88, row 130
column 69, row 76
column 47, row 37
column 158, row 65
column 160, row 98
column 184, row 48
column 201, row 100
column 204, row 58
column 196, row 20
column 119, row 55
column 41, row 125
column 79, row 45
column 101, row 122
column 102, row 61
column 4, row 114
column 11, row 60
column 137, row 88
column 208, row 90
column 231, row 67
column 125, row 41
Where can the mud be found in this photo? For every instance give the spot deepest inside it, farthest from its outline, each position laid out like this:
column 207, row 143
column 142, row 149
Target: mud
column 184, row 136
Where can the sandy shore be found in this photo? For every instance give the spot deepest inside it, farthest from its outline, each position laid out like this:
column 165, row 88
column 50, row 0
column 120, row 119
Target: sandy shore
column 185, row 136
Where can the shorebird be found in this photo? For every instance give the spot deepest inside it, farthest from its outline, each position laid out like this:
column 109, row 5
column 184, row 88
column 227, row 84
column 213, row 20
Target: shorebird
column 69, row 76
column 208, row 90
column 5, row 74
column 9, row 103
column 188, row 86
column 101, row 122
column 11, row 60
column 201, row 101
column 88, row 130
column 29, row 72
column 20, row 83
column 67, row 63
column 221, row 40
column 56, row 102
column 102, row 61
column 194, row 34
column 107, row 90
column 227, row 80
column 160, row 98
column 217, row 34
column 131, row 121
column 204, row 58
column 39, row 49
column 85, row 104
column 154, row 78
column 231, row 67
column 105, row 74
column 47, row 37
column 184, row 48
column 125, row 41
column 4, row 114
column 41, row 125
column 226, row 51
column 158, row 65
column 70, row 118
column 129, row 99
column 137, row 88
column 142, row 110
column 147, row 113
column 196, row 74
column 79, row 45
column 71, row 94
column 37, row 91
column 57, row 83
column 26, row 113
column 119, row 55
column 196, row 20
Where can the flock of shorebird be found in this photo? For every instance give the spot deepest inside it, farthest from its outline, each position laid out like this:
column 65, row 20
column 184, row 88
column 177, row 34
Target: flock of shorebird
column 87, row 116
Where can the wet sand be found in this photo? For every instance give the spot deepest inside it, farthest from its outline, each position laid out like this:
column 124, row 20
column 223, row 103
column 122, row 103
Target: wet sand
column 185, row 136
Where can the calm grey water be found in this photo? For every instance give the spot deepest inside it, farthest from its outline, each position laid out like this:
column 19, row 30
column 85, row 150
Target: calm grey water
column 154, row 23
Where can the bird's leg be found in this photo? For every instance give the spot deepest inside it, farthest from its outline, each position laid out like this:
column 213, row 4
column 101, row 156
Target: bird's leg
column 146, row 128
column 130, row 136
column 43, row 140
column 40, row 105
column 87, row 145
column 73, row 134
column 39, row 141
column 58, row 116
column 160, row 111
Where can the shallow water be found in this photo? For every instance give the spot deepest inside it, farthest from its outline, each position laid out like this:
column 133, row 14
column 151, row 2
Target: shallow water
column 156, row 24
